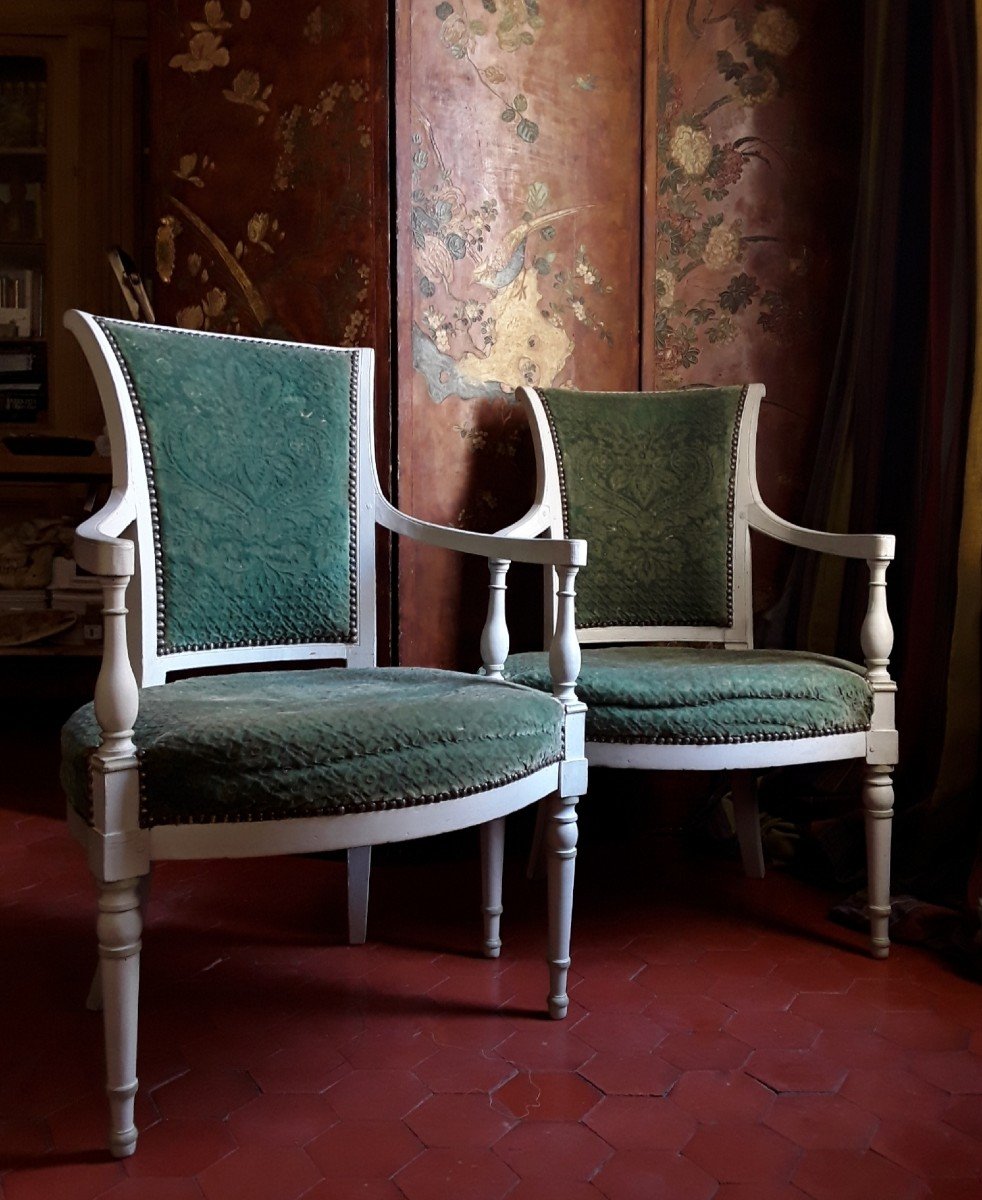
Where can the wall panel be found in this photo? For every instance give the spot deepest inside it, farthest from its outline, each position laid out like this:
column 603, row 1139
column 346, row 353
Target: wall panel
column 751, row 160
column 518, row 134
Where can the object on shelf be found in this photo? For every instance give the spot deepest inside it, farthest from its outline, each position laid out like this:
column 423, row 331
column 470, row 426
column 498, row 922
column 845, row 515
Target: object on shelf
column 79, row 594
column 27, row 550
column 131, row 285
column 23, row 105
column 22, row 628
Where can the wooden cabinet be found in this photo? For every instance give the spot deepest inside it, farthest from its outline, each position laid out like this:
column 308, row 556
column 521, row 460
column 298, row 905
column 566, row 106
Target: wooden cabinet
column 71, row 164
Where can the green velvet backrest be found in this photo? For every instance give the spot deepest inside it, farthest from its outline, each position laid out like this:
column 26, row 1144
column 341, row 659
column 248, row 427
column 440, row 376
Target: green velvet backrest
column 250, row 452
column 648, row 479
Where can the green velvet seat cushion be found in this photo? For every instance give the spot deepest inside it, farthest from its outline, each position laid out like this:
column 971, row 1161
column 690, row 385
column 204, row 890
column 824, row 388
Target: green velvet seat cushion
column 268, row 745
column 681, row 695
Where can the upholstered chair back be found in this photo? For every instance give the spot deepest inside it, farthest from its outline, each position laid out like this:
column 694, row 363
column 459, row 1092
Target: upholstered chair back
column 650, row 480
column 249, row 541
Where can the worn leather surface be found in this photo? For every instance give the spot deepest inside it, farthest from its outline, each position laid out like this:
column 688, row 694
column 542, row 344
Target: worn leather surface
column 680, row 694
column 250, row 446
column 264, row 745
column 647, row 480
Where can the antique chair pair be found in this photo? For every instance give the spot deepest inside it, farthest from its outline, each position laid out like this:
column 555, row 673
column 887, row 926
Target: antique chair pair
column 663, row 486
column 240, row 531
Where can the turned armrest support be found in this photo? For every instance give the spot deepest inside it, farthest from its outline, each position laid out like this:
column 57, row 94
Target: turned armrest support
column 556, row 552
column 876, row 636
column 881, row 546
column 117, row 698
column 564, row 650
column 100, row 549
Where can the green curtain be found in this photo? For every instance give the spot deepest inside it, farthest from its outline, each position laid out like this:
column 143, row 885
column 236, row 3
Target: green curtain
column 893, row 455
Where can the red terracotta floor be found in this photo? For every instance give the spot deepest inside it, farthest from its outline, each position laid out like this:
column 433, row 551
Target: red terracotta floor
column 725, row 1039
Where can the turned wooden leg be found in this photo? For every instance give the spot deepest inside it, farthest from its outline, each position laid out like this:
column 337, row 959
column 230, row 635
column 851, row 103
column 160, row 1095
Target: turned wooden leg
column 746, row 816
column 93, row 1001
column 561, row 858
column 119, row 926
column 359, row 875
column 492, row 867
column 878, row 805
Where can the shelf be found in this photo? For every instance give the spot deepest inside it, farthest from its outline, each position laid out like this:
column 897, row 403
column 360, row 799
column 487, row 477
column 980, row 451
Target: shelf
column 40, row 650
column 53, row 466
column 23, row 151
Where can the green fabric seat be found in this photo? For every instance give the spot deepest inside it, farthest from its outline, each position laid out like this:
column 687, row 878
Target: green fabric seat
column 703, row 696
column 275, row 744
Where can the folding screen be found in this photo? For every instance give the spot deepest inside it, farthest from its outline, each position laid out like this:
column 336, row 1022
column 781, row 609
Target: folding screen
column 656, row 193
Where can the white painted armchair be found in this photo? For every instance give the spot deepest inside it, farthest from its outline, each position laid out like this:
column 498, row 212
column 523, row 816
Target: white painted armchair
column 664, row 487
column 240, row 531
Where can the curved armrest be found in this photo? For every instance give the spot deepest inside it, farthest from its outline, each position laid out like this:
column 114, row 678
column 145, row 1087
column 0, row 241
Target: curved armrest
column 848, row 545
column 98, row 548
column 536, row 521
column 557, row 552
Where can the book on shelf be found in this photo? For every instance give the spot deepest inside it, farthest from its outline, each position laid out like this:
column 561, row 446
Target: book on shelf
column 20, row 303
column 23, row 114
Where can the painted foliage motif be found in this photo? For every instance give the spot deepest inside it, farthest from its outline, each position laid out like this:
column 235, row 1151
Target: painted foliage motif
column 265, row 168
column 518, row 150
column 503, row 287
column 714, row 283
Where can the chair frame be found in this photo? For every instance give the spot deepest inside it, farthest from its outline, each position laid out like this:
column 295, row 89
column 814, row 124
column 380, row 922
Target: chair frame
column 116, row 544
column 877, row 745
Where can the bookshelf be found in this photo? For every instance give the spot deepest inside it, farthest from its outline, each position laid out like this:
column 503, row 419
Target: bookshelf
column 23, row 266
column 71, row 76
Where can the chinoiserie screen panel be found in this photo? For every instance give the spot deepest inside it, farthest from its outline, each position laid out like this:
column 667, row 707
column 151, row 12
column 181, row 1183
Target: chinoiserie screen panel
column 518, row 162
column 752, row 138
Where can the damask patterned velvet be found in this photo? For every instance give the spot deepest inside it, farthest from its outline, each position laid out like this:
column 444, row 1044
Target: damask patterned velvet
column 250, row 449
column 302, row 743
column 648, row 481
column 673, row 694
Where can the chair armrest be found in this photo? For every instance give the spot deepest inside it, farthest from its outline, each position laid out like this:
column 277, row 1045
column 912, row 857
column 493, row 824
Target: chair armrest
column 566, row 554
column 557, row 552
column 535, row 522
column 881, row 546
column 878, row 549
column 98, row 547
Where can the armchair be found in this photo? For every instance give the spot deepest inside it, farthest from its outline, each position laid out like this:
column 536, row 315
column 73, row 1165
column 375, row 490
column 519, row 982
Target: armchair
column 240, row 532
column 664, row 486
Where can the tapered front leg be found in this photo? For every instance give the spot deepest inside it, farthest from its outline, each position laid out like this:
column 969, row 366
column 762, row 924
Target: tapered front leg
column 359, row 877
column 561, row 858
column 878, row 806
column 119, row 927
column 492, row 867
